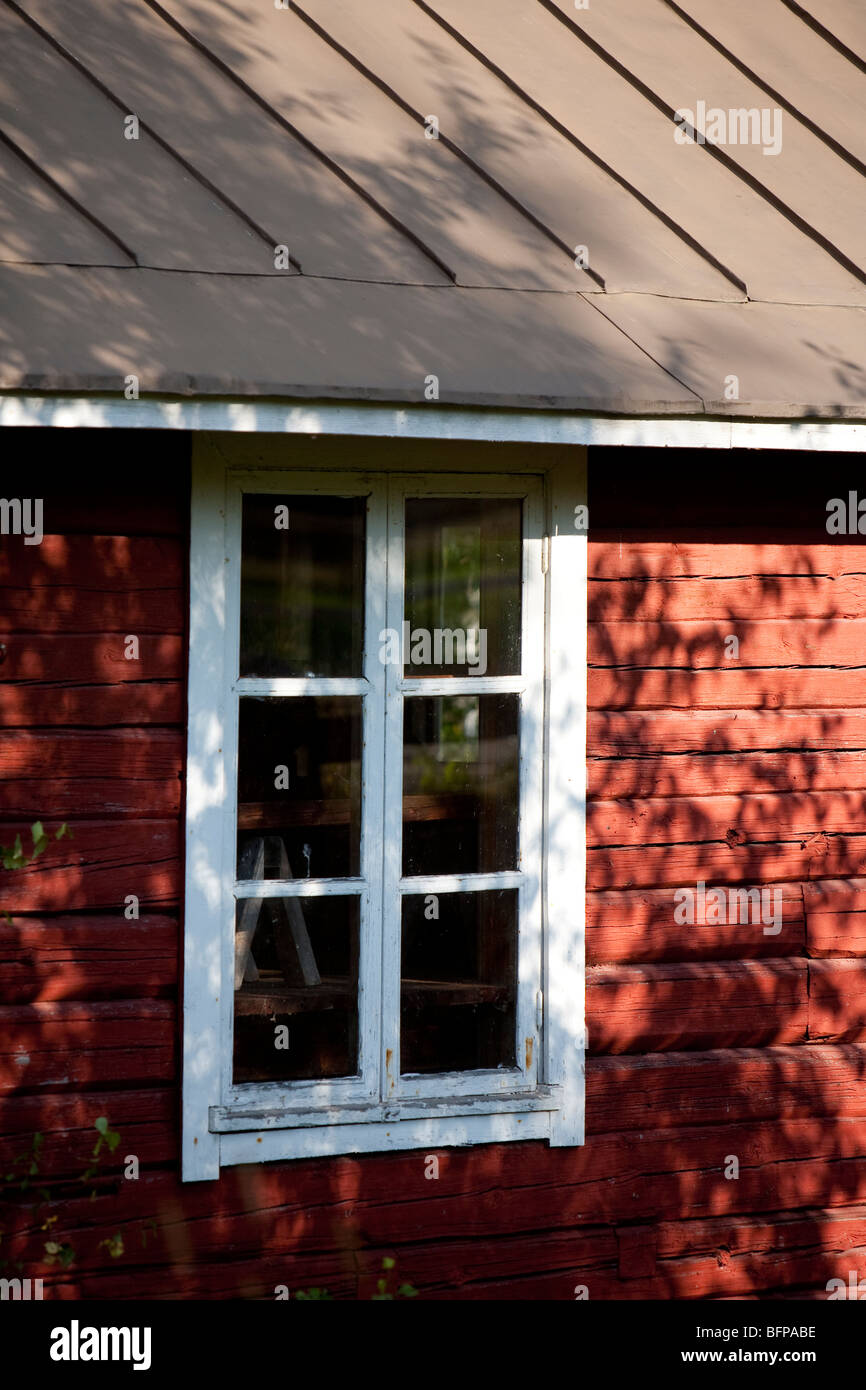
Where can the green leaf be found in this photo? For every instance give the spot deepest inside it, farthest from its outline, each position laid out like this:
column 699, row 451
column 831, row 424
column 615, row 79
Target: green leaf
column 36, row 831
column 387, row 1262
column 101, row 1124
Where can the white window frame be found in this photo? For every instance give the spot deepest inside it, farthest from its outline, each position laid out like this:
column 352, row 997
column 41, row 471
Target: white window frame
column 542, row 1097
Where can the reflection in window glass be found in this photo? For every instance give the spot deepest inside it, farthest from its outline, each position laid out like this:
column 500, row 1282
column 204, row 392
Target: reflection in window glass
column 296, row 989
column 302, row 586
column 460, row 784
column 462, row 587
column 459, row 982
column 299, row 783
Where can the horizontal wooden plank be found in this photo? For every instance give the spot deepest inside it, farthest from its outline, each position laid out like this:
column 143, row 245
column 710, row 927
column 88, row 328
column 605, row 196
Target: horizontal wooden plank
column 76, row 1044
column 73, row 609
column 702, row 775
column 130, row 753
column 122, row 563
column 653, row 732
column 733, row 1256
column 701, row 645
column 632, row 927
column 652, row 1008
column 96, row 659
column 90, row 796
column 54, row 704
column 725, row 688
column 76, row 957
column 836, row 917
column 837, row 1000
column 94, row 584
column 724, row 1085
column 123, row 772
column 99, row 866
column 731, row 819
column 813, row 856
column 727, row 600
column 145, row 1119
column 682, row 553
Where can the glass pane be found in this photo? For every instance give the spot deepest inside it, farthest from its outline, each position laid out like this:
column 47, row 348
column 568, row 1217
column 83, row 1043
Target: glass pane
column 299, row 787
column 460, row 784
column 302, row 586
column 463, row 570
column 458, row 994
column 296, row 988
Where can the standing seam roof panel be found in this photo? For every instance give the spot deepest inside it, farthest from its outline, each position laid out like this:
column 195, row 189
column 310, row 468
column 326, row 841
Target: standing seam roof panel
column 578, row 201
column 221, row 131
column 477, row 233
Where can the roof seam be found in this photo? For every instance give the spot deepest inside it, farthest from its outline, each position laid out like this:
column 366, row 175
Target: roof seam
column 707, row 147
column 445, row 140
column 275, row 115
column 825, row 34
column 72, row 201
column 653, row 208
column 820, row 134
column 148, row 129
column 593, row 300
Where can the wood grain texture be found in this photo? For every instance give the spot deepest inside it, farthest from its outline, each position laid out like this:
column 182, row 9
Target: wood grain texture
column 78, row 957
column 653, row 1008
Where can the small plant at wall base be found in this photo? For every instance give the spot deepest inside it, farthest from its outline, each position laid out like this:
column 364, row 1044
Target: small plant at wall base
column 385, row 1291
column 25, row 1170
column 25, row 1167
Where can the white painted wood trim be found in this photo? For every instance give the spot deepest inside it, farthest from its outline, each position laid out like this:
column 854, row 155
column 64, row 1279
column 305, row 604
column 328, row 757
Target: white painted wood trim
column 298, row 887
column 426, row 421
column 237, row 1119
column 206, row 810
column 461, row 883
column 565, row 820
column 270, row 1146
column 302, row 685
column 212, row 889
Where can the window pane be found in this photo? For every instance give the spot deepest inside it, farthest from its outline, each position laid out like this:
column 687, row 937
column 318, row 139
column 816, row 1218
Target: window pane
column 460, row 784
column 459, row 981
column 462, row 587
column 299, row 786
column 302, row 586
column 296, row 988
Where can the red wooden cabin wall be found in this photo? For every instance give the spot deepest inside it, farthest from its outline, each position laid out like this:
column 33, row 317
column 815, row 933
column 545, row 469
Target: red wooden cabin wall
column 706, row 1042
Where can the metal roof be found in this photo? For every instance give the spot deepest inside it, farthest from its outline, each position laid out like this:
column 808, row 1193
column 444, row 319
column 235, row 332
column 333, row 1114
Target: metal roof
column 637, row 207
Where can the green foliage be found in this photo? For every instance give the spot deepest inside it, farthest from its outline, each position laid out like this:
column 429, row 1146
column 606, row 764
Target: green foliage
column 25, row 1168
column 13, row 856
column 385, row 1290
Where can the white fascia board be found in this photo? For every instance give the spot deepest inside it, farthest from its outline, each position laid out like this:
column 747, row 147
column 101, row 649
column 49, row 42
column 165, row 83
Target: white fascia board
column 427, row 421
